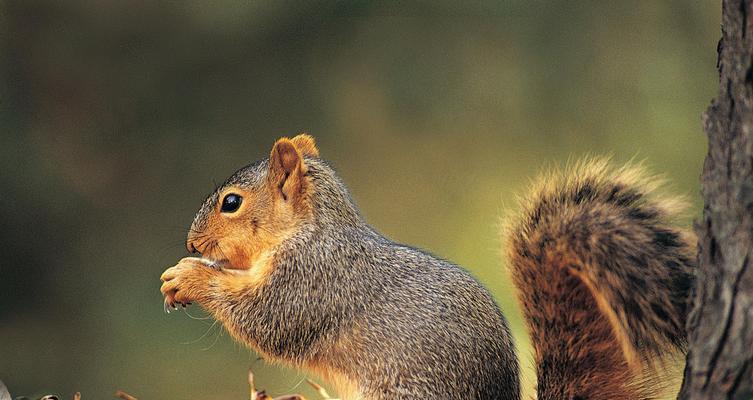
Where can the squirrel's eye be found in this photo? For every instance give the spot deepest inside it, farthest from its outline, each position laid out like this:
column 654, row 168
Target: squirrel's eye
column 230, row 203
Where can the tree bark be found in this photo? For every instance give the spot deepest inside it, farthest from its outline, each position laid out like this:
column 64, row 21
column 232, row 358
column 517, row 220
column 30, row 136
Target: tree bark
column 720, row 357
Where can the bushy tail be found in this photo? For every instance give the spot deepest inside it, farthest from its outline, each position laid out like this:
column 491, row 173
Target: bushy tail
column 603, row 278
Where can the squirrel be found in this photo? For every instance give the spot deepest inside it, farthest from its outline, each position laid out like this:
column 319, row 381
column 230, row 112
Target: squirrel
column 289, row 266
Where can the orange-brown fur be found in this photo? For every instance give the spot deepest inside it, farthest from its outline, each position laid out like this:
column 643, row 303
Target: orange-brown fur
column 574, row 332
column 306, row 145
column 185, row 283
column 603, row 278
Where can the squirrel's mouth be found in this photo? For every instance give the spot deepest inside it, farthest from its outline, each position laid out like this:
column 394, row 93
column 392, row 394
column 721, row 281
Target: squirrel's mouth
column 217, row 257
column 214, row 256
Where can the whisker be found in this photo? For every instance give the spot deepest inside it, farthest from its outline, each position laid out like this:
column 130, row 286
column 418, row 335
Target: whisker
column 192, row 230
column 209, row 253
column 200, row 236
column 203, row 335
column 200, row 245
column 216, row 338
column 222, row 253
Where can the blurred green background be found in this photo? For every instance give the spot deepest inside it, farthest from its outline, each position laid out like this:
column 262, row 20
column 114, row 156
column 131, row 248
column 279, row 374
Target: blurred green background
column 117, row 117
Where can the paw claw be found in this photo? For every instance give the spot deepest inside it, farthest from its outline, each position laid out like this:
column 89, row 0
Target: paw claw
column 182, row 282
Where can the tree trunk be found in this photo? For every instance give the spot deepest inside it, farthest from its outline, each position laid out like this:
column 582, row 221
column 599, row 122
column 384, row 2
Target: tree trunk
column 720, row 357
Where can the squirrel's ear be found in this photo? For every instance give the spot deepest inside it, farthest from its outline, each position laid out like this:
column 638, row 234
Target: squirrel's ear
column 306, row 145
column 286, row 169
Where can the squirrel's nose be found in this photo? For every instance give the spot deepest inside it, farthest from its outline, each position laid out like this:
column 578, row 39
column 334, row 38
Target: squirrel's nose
column 191, row 248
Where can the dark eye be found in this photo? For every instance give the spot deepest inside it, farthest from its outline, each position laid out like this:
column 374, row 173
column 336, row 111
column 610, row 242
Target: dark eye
column 231, row 202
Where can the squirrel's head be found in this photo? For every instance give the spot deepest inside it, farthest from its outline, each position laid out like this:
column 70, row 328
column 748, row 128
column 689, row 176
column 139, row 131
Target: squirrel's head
column 258, row 207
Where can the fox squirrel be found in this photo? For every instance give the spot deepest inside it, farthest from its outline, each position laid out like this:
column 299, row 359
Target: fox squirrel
column 292, row 270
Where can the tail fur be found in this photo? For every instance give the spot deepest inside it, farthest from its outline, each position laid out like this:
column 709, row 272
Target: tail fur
column 603, row 277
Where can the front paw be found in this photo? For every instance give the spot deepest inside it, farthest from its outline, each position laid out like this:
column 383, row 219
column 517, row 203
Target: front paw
column 184, row 282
